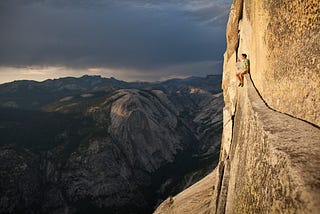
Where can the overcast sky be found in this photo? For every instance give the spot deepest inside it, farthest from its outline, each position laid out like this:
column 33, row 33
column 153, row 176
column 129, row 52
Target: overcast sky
column 128, row 39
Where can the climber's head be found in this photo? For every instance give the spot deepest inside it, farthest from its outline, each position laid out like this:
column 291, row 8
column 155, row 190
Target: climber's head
column 244, row 56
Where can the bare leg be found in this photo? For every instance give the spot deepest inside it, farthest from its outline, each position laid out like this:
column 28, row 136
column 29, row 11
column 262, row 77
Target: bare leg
column 239, row 77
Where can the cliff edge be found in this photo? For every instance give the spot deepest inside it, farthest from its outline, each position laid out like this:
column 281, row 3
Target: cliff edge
column 270, row 152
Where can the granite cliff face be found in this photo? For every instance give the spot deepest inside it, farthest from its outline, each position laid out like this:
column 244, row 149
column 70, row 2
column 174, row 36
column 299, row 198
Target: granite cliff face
column 283, row 42
column 270, row 152
column 105, row 146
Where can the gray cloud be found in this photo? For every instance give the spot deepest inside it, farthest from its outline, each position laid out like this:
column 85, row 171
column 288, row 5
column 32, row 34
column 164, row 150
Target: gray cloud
column 141, row 35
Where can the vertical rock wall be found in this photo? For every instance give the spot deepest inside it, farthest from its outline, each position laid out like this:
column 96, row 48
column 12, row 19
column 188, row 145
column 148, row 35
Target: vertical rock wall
column 282, row 40
column 270, row 152
column 272, row 158
column 272, row 166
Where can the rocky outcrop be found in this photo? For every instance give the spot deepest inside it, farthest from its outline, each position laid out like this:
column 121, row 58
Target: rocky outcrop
column 269, row 157
column 147, row 124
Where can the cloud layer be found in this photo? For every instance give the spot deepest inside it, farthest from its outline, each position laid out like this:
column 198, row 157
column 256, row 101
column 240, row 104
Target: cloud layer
column 138, row 36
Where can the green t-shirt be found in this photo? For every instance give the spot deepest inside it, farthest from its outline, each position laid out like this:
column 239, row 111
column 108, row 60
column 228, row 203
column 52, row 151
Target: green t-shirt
column 245, row 64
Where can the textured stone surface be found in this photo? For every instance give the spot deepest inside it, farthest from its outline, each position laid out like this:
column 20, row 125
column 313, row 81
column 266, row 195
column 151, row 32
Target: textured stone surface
column 274, row 160
column 100, row 174
column 270, row 151
column 196, row 199
column 283, row 43
column 143, row 123
column 273, row 169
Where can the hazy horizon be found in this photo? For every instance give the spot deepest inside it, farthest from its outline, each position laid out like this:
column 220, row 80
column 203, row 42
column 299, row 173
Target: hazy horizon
column 129, row 81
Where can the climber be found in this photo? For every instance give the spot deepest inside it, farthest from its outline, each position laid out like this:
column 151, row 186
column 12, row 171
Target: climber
column 244, row 69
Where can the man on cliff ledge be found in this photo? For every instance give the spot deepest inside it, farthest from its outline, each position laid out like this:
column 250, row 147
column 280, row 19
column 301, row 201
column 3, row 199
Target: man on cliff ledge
column 244, row 69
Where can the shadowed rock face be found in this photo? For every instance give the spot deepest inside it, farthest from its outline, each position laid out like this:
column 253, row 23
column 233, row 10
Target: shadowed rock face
column 142, row 121
column 19, row 178
column 108, row 150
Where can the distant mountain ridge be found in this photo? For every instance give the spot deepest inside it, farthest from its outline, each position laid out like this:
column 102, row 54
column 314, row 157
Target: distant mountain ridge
column 29, row 94
column 93, row 144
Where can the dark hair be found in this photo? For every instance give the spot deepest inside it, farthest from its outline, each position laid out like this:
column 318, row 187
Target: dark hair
column 245, row 55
